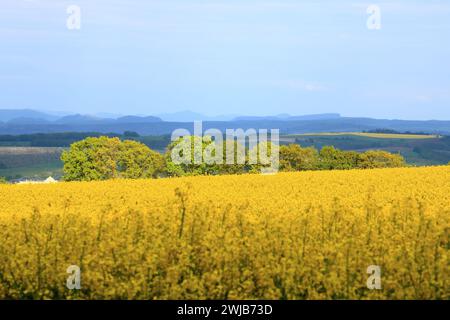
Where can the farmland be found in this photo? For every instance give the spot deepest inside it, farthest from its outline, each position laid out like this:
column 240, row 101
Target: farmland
column 420, row 150
column 31, row 162
column 305, row 235
column 37, row 155
column 372, row 135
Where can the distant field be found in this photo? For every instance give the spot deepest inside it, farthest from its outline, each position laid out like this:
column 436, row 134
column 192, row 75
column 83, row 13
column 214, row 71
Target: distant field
column 370, row 135
column 38, row 171
column 421, row 150
column 30, row 162
column 29, row 150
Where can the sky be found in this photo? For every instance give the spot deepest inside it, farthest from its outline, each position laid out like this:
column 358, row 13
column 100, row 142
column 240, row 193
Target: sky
column 227, row 57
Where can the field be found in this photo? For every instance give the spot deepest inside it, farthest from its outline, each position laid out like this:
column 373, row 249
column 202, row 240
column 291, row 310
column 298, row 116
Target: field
column 371, row 135
column 30, row 162
column 308, row 235
column 421, row 150
column 39, row 171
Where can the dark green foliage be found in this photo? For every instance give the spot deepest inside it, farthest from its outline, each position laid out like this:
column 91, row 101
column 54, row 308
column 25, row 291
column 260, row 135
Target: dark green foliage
column 335, row 159
column 61, row 139
column 391, row 131
column 130, row 134
column 434, row 151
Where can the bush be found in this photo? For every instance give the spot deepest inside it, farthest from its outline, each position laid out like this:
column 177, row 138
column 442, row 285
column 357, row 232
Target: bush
column 295, row 158
column 335, row 159
column 380, row 159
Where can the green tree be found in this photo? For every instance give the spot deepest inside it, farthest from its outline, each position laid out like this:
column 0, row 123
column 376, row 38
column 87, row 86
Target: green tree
column 202, row 156
column 3, row 180
column 181, row 155
column 335, row 159
column 131, row 134
column 108, row 158
column 264, row 154
column 135, row 160
column 380, row 159
column 233, row 154
column 295, row 158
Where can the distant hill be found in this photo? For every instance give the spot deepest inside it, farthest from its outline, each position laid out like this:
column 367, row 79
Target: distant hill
column 136, row 119
column 30, row 121
column 27, row 121
column 323, row 116
column 10, row 114
column 189, row 116
column 285, row 126
column 287, row 117
column 255, row 118
column 81, row 119
column 33, row 117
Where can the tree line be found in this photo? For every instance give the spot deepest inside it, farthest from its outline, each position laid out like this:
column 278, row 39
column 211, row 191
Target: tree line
column 102, row 158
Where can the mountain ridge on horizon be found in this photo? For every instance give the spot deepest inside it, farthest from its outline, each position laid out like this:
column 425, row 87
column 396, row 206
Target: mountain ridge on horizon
column 27, row 121
column 34, row 116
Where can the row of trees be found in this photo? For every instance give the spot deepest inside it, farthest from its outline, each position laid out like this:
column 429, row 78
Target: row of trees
column 108, row 158
column 295, row 158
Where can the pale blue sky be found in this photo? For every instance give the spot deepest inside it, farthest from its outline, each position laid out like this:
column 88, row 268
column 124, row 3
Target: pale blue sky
column 227, row 57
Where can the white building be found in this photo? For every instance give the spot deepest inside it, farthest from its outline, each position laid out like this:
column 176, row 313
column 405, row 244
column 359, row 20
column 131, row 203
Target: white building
column 46, row 181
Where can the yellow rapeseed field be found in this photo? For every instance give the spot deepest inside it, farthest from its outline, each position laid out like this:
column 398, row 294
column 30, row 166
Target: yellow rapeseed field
column 306, row 235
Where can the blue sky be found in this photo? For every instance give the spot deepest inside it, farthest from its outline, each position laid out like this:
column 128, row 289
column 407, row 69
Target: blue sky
column 227, row 57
